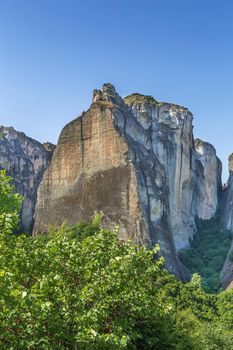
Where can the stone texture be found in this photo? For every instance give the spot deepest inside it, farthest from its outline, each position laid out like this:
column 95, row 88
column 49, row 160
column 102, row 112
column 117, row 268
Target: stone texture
column 25, row 160
column 209, row 184
column 170, row 139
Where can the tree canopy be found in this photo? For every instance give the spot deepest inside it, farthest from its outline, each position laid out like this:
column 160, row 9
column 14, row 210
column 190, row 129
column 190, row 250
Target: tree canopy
column 79, row 287
column 10, row 204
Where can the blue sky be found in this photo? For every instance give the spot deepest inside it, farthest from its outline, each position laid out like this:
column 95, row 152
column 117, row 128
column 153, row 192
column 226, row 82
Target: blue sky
column 53, row 53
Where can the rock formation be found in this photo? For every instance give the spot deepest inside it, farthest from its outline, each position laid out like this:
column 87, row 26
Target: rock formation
column 227, row 217
column 227, row 210
column 135, row 161
column 209, row 184
column 25, row 160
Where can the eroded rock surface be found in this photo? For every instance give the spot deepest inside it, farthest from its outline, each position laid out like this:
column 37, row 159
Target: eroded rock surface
column 170, row 140
column 25, row 160
column 209, row 184
column 135, row 161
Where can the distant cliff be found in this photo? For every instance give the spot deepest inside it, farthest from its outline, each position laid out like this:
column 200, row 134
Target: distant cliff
column 227, row 218
column 208, row 180
column 25, row 160
column 135, row 160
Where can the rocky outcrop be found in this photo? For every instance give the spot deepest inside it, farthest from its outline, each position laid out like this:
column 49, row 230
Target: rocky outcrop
column 227, row 218
column 227, row 202
column 209, row 184
column 25, row 160
column 170, row 139
column 135, row 161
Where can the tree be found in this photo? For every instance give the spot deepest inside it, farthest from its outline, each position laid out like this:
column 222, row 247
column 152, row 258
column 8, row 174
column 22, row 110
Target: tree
column 196, row 280
column 10, row 204
column 79, row 288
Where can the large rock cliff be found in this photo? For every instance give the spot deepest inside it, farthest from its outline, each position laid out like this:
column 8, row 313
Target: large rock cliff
column 134, row 160
column 25, row 160
column 170, row 140
column 104, row 162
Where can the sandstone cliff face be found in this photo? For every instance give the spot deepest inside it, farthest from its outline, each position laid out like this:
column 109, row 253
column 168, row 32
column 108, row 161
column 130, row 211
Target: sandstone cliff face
column 25, row 160
column 134, row 160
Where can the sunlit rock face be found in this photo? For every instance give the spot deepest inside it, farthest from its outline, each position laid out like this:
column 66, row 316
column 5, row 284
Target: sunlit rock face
column 192, row 169
column 170, row 140
column 209, row 184
column 133, row 159
column 25, row 160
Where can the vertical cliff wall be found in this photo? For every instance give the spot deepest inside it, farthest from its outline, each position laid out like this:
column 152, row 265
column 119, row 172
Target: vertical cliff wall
column 227, row 219
column 227, row 200
column 192, row 169
column 170, row 139
column 134, row 160
column 208, row 180
column 25, row 160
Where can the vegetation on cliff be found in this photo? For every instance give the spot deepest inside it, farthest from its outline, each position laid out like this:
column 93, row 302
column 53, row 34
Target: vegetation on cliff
column 139, row 98
column 207, row 252
column 147, row 99
column 79, row 287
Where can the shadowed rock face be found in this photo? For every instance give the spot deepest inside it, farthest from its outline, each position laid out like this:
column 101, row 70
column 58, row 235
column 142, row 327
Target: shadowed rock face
column 135, row 161
column 228, row 198
column 25, row 160
column 227, row 217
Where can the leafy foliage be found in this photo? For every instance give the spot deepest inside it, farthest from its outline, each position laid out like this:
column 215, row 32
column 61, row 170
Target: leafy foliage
column 10, row 204
column 139, row 98
column 79, row 287
column 207, row 253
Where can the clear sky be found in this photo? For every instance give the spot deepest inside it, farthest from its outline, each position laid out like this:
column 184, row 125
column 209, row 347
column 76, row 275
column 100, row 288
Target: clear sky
column 53, row 53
